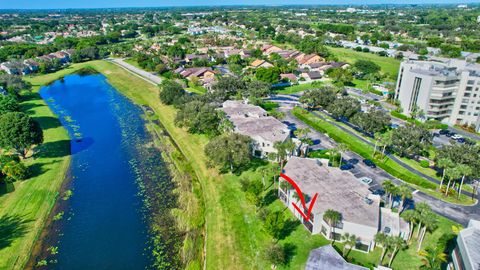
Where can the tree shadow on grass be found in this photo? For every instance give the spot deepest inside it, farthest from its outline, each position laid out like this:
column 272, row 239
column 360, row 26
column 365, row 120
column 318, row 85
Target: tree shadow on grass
column 28, row 107
column 269, row 197
column 54, row 149
column 6, row 188
column 288, row 227
column 290, row 251
column 254, row 164
column 11, row 228
column 47, row 122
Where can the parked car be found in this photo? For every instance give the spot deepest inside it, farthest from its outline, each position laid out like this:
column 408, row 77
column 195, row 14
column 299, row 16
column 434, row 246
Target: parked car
column 461, row 140
column 450, row 134
column 346, row 167
column 456, row 137
column 394, row 126
column 369, row 163
column 444, row 132
column 353, row 161
column 366, row 180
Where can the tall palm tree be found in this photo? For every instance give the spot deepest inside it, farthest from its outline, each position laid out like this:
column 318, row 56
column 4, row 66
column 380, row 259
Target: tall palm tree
column 284, row 150
column 383, row 240
column 421, row 209
column 410, row 216
column 398, row 244
column 332, row 217
column 388, row 186
column 430, row 223
column 406, row 193
column 350, row 240
column 386, row 140
column 452, row 174
column 377, row 136
column 332, row 153
column 342, row 148
column 444, row 164
column 302, row 133
column 464, row 170
column 432, row 258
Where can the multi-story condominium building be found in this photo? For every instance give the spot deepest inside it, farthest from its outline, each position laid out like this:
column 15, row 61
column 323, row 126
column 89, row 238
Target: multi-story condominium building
column 447, row 91
column 341, row 191
column 255, row 123
column 466, row 255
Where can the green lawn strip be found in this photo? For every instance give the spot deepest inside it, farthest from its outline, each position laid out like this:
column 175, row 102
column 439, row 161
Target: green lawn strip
column 33, row 199
column 297, row 88
column 197, row 89
column 387, row 64
column 133, row 62
column 366, row 151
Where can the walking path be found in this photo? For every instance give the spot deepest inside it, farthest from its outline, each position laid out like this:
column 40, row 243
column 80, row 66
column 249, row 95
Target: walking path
column 149, row 77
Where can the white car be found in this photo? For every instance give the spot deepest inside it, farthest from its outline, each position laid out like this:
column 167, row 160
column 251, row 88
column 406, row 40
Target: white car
column 456, row 137
column 366, row 180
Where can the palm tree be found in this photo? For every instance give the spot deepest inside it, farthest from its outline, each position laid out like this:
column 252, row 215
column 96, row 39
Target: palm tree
column 421, row 209
column 332, row 217
column 284, row 150
column 302, row 133
column 332, row 153
column 383, row 240
column 342, row 148
column 410, row 216
column 406, row 193
column 444, row 164
column 430, row 223
column 432, row 258
column 397, row 243
column 388, row 186
column 452, row 174
column 386, row 140
column 378, row 137
column 263, row 171
column 464, row 170
column 350, row 241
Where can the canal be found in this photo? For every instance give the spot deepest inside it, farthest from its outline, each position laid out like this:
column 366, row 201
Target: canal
column 105, row 223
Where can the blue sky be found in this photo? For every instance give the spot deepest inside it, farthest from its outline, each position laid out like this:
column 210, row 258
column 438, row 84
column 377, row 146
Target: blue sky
column 41, row 4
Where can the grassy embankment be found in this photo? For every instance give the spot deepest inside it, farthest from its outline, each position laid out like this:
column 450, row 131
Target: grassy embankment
column 24, row 210
column 366, row 151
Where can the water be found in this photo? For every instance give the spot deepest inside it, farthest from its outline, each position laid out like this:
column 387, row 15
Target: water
column 103, row 226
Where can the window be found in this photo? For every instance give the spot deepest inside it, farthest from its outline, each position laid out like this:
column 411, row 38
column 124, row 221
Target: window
column 471, row 82
column 361, row 246
column 466, row 94
column 416, row 89
column 324, row 230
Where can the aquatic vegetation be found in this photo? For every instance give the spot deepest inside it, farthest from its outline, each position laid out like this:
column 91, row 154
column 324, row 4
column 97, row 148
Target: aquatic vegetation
column 67, row 194
column 58, row 216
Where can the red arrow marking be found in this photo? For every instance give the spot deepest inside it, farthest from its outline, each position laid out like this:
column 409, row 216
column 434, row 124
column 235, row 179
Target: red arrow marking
column 300, row 194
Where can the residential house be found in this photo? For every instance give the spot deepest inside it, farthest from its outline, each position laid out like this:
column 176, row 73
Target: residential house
column 268, row 49
column 309, row 59
column 288, row 76
column 289, row 54
column 32, row 65
column 311, row 76
column 258, row 63
column 255, row 123
column 191, row 57
column 466, row 255
column 15, row 68
column 341, row 191
column 327, row 258
column 202, row 73
column 62, row 56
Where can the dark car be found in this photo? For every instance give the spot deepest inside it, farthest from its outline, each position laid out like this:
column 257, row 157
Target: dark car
column 444, row 132
column 435, row 134
column 461, row 140
column 353, row 161
column 369, row 163
column 346, row 167
column 450, row 134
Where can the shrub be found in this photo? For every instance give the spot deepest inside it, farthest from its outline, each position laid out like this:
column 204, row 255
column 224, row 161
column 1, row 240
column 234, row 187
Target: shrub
column 424, row 163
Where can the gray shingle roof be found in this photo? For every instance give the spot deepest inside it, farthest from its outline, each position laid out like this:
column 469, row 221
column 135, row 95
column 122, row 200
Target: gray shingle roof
column 327, row 258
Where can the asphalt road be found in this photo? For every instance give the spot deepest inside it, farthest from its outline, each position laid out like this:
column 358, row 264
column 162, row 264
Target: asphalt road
column 152, row 78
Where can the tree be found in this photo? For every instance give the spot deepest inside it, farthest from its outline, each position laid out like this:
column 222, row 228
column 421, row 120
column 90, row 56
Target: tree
column 229, row 150
column 429, row 220
column 171, row 92
column 411, row 140
column 340, row 76
column 344, row 107
column 405, row 193
column 268, row 75
column 452, row 174
column 8, row 103
column 432, row 258
column 410, row 216
column 389, row 188
column 350, row 241
column 14, row 171
column 19, row 132
column 284, row 150
column 200, row 118
column 397, row 243
column 366, row 67
column 444, row 164
column 274, row 224
column 383, row 240
column 332, row 217
column 464, row 170
column 372, row 121
column 342, row 148
column 275, row 254
column 318, row 98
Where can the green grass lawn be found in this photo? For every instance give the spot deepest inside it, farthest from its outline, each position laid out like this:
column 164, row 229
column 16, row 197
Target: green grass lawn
column 23, row 212
column 388, row 65
column 298, row 88
column 197, row 89
column 366, row 151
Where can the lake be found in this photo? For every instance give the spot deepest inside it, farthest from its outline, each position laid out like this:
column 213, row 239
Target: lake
column 105, row 223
